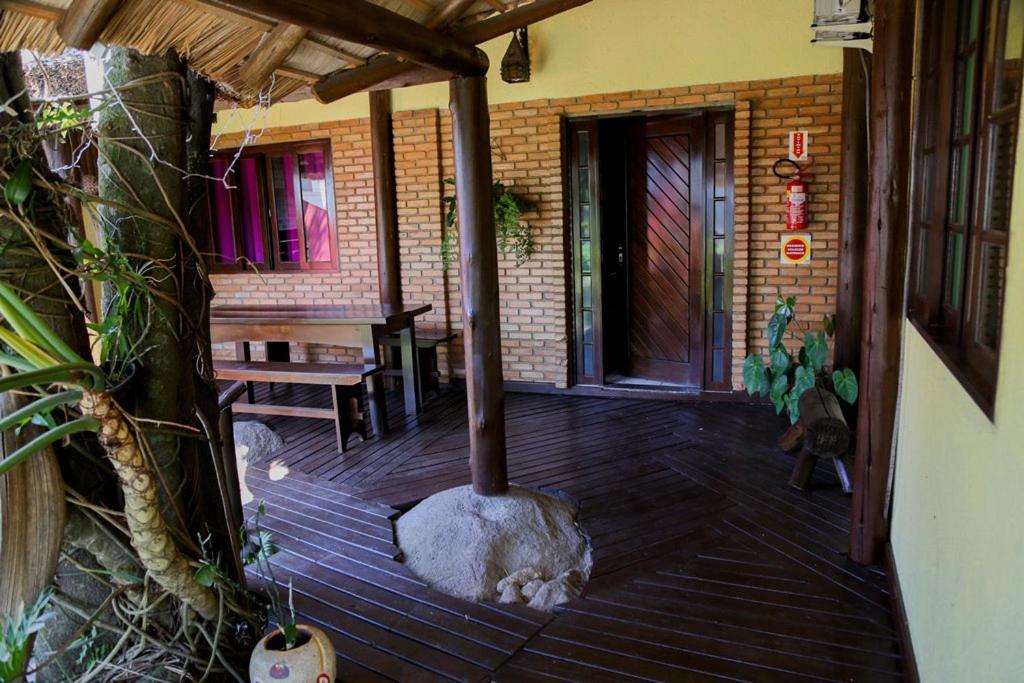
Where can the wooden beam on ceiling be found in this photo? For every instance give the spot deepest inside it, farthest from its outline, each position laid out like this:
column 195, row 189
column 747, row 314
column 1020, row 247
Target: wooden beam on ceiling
column 365, row 23
column 449, row 13
column 297, row 74
column 387, row 72
column 336, row 52
column 279, row 44
column 84, row 21
column 33, row 9
column 421, row 5
column 499, row 5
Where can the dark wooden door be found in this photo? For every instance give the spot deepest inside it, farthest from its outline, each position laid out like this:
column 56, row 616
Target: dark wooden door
column 665, row 250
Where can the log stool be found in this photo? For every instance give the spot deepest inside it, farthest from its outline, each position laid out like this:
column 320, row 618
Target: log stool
column 825, row 435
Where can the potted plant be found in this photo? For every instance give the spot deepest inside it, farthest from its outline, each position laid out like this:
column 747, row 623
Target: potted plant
column 514, row 235
column 290, row 652
column 783, row 376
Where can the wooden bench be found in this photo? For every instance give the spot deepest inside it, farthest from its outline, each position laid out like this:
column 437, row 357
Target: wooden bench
column 346, row 382
column 427, row 342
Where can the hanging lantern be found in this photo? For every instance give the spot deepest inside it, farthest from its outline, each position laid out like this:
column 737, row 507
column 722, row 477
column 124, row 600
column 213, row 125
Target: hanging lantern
column 515, row 65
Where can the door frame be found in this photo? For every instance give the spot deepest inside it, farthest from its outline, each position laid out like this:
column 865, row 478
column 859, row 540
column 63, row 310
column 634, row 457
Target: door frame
column 719, row 203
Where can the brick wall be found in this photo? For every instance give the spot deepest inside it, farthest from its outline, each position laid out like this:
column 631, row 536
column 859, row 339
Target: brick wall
column 527, row 142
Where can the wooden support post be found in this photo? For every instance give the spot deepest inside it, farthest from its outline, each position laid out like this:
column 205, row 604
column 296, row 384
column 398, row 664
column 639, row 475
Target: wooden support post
column 479, row 272
column 884, row 274
column 389, row 265
column 853, row 208
column 84, row 21
column 363, row 22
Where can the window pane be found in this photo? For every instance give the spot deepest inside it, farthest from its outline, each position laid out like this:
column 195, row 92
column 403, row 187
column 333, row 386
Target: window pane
column 922, row 260
column 585, row 221
column 1002, row 144
column 990, row 295
column 961, row 185
column 953, row 288
column 584, row 186
column 583, row 140
column 719, row 263
column 717, row 366
column 223, row 221
column 967, row 94
column 585, row 256
column 588, row 292
column 252, row 212
column 315, row 209
column 588, row 327
column 718, row 330
column 287, row 221
column 718, row 293
column 1008, row 68
column 588, row 360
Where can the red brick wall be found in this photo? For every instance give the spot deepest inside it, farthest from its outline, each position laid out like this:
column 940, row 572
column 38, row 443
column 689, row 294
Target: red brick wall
column 527, row 143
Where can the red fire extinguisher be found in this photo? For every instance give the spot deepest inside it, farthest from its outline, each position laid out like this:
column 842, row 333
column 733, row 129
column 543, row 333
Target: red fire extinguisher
column 797, row 196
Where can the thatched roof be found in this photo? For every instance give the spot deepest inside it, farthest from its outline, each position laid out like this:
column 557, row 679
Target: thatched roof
column 214, row 38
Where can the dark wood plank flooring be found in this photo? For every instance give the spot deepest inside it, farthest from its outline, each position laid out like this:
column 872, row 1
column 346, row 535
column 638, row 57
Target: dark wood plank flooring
column 707, row 567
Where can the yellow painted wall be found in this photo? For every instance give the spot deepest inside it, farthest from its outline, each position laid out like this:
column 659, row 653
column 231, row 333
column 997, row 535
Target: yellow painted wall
column 958, row 517
column 618, row 45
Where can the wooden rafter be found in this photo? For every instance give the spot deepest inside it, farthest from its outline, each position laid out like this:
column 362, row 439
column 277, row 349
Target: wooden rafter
column 33, row 9
column 84, row 21
column 421, row 5
column 365, row 23
column 499, row 5
column 449, row 13
column 271, row 54
column 321, row 45
column 297, row 74
column 388, row 72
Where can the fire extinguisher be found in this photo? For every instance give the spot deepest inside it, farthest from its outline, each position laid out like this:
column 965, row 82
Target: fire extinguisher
column 797, row 196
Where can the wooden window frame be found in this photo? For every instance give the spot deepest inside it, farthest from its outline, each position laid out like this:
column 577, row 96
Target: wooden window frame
column 272, row 261
column 938, row 135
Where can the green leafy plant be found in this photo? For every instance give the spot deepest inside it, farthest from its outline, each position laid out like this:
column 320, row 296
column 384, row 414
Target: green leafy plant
column 16, row 633
column 784, row 377
column 514, row 235
column 257, row 548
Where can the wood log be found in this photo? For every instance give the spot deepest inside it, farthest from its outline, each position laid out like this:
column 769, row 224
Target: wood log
column 363, row 22
column 271, row 54
column 84, row 21
column 387, row 72
column 826, row 433
column 389, row 265
column 853, row 207
column 479, row 270
column 885, row 263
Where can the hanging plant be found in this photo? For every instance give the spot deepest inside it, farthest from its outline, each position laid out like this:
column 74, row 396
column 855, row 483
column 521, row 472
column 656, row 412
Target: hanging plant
column 514, row 235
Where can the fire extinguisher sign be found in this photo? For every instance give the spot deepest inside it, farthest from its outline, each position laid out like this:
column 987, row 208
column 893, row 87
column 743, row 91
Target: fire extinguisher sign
column 795, row 249
column 799, row 141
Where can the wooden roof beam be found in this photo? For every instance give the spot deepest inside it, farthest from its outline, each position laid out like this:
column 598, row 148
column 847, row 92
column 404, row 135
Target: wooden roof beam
column 388, row 72
column 84, row 21
column 363, row 22
column 271, row 54
column 449, row 13
column 33, row 9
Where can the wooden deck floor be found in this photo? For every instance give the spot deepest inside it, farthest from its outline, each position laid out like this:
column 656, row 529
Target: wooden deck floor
column 707, row 567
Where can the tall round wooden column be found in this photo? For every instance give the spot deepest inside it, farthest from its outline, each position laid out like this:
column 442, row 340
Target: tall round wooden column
column 479, row 281
column 885, row 265
column 389, row 268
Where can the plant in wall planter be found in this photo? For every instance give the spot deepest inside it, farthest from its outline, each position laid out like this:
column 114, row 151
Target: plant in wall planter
column 514, row 235
column 784, row 376
column 291, row 652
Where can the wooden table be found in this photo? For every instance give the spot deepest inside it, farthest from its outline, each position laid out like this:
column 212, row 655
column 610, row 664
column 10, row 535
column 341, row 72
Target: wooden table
column 360, row 326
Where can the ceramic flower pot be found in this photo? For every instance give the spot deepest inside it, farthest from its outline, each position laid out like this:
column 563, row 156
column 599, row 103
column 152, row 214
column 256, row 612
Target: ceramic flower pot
column 311, row 661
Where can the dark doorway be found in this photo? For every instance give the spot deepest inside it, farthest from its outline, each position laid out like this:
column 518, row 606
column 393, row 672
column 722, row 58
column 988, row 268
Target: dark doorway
column 651, row 216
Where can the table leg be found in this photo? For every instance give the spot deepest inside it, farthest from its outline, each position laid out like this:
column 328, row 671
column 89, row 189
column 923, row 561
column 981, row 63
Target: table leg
column 244, row 353
column 374, row 383
column 411, row 371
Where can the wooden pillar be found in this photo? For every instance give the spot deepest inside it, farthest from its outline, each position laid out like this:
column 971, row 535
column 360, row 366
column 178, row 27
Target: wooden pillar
column 885, row 265
column 853, row 208
column 479, row 272
column 389, row 265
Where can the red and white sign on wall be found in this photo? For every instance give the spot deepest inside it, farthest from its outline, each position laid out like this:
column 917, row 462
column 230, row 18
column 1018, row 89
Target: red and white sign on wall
column 799, row 141
column 795, row 249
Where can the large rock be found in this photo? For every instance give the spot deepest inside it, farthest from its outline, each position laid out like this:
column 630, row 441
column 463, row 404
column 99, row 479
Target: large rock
column 490, row 547
column 254, row 441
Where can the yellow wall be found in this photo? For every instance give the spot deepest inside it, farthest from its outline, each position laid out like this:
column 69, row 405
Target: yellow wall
column 618, row 45
column 958, row 518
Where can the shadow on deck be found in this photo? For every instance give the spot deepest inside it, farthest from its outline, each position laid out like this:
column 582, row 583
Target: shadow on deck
column 707, row 566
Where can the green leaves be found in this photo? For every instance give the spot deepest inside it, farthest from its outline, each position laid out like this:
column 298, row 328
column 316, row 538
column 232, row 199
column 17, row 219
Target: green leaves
column 206, row 575
column 778, row 392
column 19, row 185
column 514, row 236
column 780, row 360
column 817, row 350
column 776, row 329
column 845, row 384
column 754, row 376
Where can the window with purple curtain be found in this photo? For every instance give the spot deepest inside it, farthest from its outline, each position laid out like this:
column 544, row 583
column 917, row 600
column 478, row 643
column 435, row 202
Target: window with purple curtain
column 275, row 210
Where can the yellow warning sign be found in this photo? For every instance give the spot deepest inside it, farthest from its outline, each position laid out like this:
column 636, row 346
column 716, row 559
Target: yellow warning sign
column 795, row 248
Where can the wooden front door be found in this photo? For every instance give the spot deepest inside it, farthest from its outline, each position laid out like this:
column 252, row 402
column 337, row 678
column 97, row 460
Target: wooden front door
column 665, row 250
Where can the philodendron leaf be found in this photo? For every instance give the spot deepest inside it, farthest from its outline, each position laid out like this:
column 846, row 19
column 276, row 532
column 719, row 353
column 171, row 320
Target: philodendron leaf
column 802, row 380
column 817, row 350
column 793, row 406
column 845, row 384
column 776, row 330
column 206, row 574
column 754, row 376
column 19, row 185
column 779, row 387
column 780, row 360
column 830, row 325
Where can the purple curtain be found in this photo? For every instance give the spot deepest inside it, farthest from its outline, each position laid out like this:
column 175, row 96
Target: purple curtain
column 252, row 231
column 223, row 222
column 283, row 168
column 315, row 216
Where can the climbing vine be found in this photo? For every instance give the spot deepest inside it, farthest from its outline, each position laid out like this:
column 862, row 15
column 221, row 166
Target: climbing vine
column 514, row 235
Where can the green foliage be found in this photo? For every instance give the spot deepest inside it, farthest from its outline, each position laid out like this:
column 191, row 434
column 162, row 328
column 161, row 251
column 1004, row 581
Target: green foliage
column 19, row 185
column 514, row 235
column 16, row 631
column 60, row 117
column 257, row 548
column 783, row 378
column 91, row 649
